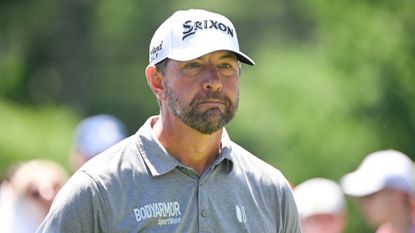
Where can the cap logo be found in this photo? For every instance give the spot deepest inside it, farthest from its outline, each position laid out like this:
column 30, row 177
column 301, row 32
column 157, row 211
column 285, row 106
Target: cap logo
column 190, row 27
column 155, row 50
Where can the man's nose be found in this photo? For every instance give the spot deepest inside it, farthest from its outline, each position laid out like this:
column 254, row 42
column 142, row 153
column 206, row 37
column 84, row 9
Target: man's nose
column 212, row 80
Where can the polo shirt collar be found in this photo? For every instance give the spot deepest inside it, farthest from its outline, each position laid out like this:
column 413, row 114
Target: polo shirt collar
column 159, row 161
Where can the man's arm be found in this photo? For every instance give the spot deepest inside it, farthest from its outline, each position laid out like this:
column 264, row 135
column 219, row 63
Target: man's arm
column 291, row 218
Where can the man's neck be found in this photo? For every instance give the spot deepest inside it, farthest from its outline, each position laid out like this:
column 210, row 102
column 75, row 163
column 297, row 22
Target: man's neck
column 187, row 145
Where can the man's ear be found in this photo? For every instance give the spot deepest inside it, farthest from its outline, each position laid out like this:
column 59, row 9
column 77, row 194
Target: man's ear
column 154, row 80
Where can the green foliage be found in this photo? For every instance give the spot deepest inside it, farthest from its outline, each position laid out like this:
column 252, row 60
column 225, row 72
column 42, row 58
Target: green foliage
column 29, row 132
column 11, row 67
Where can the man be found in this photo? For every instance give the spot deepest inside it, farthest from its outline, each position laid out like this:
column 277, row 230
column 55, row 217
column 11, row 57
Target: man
column 181, row 172
column 321, row 206
column 384, row 185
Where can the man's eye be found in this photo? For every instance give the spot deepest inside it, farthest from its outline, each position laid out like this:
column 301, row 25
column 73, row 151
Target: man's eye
column 192, row 65
column 226, row 66
column 227, row 69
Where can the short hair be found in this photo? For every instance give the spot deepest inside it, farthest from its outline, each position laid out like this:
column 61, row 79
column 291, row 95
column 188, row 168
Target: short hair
column 162, row 66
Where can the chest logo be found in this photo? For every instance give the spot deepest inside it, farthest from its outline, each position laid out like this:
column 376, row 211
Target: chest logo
column 166, row 213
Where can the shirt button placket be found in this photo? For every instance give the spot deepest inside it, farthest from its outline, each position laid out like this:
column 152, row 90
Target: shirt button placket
column 203, row 210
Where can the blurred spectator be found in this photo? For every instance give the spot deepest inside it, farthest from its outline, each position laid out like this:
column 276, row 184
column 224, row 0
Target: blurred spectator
column 384, row 185
column 93, row 135
column 321, row 206
column 26, row 198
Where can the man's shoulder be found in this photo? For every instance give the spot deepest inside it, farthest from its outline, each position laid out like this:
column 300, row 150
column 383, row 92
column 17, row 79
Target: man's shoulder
column 117, row 169
column 121, row 158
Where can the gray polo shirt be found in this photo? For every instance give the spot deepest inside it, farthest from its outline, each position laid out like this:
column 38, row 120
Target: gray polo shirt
column 136, row 186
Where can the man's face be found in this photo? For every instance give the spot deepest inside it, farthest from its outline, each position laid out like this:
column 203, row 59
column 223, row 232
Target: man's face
column 377, row 206
column 204, row 92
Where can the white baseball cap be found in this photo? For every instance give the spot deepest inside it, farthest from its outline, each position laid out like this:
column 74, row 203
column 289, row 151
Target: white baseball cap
column 189, row 34
column 380, row 170
column 319, row 196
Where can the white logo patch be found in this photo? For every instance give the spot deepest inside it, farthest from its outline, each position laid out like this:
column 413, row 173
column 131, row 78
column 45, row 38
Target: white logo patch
column 240, row 213
column 167, row 212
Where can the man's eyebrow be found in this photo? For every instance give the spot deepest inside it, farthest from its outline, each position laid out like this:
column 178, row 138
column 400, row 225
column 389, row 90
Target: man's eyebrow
column 228, row 55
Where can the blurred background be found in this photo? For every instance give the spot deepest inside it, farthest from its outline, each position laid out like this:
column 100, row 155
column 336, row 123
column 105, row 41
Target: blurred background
column 334, row 80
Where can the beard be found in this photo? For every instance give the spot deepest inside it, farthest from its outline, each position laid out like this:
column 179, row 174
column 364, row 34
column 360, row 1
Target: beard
column 207, row 121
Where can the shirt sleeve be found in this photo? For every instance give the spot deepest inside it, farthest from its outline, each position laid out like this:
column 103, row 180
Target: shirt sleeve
column 291, row 219
column 78, row 207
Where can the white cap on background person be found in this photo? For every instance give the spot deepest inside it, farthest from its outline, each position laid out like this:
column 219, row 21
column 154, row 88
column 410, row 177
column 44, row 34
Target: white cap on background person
column 96, row 133
column 319, row 196
column 379, row 170
column 189, row 34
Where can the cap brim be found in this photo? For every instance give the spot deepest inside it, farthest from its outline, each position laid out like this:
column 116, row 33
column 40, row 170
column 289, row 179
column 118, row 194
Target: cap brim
column 185, row 55
column 244, row 58
column 359, row 185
